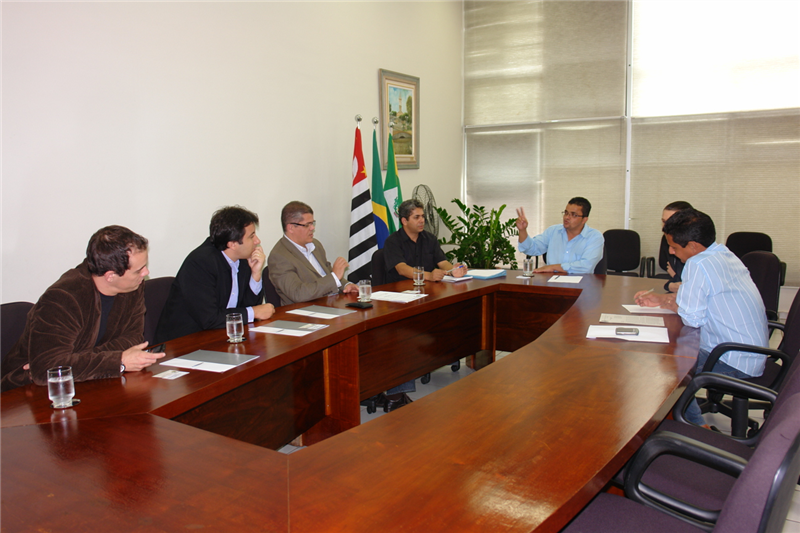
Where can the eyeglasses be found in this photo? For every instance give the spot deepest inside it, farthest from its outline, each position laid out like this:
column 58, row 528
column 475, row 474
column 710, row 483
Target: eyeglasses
column 572, row 215
column 306, row 225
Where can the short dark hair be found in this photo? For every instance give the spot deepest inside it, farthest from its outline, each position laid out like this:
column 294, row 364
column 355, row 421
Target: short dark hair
column 691, row 225
column 294, row 211
column 407, row 207
column 680, row 205
column 110, row 248
column 583, row 202
column 228, row 223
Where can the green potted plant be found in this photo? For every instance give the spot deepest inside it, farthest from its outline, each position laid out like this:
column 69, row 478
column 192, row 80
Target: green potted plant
column 480, row 239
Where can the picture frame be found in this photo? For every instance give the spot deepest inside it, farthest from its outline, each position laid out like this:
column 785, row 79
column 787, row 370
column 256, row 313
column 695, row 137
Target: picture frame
column 395, row 90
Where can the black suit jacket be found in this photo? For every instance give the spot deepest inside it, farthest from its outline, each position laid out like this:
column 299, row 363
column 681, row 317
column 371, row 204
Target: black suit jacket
column 198, row 298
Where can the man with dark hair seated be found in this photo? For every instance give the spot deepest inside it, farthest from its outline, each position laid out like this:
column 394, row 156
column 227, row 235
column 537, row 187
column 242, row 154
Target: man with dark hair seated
column 221, row 276
column 91, row 319
column 717, row 295
column 298, row 266
column 571, row 247
column 674, row 265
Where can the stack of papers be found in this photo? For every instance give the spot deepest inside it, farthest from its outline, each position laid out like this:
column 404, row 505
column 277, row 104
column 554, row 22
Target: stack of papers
column 284, row 327
column 209, row 361
column 646, row 334
column 486, row 274
column 399, row 297
column 321, row 311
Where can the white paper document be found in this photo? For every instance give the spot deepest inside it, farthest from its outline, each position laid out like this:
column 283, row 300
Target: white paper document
column 171, row 374
column 638, row 309
column 320, row 311
column 565, row 279
column 628, row 319
column 451, row 279
column 285, row 327
column 209, row 361
column 646, row 334
column 399, row 297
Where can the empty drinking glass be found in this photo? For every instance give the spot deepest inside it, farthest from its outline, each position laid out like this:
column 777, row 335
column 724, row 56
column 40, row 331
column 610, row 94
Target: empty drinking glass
column 364, row 290
column 527, row 267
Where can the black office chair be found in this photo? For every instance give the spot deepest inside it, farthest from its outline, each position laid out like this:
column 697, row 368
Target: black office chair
column 778, row 364
column 742, row 242
column 270, row 294
column 156, row 291
column 602, row 265
column 758, row 501
column 623, row 249
column 13, row 317
column 378, row 268
column 765, row 269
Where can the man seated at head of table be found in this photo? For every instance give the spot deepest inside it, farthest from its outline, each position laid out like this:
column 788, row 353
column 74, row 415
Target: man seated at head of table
column 298, row 266
column 91, row 319
column 411, row 246
column 221, row 276
column 571, row 247
column 717, row 295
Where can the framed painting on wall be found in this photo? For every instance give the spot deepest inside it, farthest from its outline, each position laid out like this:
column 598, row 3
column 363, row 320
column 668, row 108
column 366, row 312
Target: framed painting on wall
column 399, row 95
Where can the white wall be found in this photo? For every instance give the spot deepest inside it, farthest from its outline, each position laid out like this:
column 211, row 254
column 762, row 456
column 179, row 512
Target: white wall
column 153, row 115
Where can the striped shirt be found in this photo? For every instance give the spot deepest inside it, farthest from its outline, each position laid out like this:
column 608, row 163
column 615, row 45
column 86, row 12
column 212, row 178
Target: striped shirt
column 719, row 297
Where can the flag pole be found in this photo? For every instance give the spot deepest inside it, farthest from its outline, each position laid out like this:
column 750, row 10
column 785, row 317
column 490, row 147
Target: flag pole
column 358, row 121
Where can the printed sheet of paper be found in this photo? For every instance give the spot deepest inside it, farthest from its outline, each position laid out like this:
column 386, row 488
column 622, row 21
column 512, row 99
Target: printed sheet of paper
column 646, row 334
column 321, row 311
column 565, row 279
column 628, row 319
column 209, row 361
column 451, row 279
column 638, row 309
column 399, row 297
column 285, row 327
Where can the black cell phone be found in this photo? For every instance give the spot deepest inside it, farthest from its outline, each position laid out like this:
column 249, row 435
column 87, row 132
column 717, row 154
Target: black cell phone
column 627, row 331
column 360, row 305
column 157, row 349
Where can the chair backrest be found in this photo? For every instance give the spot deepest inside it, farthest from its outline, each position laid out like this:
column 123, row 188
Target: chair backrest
column 602, row 266
column 760, row 498
column 623, row 249
column 742, row 242
column 13, row 317
column 270, row 294
column 663, row 253
column 378, row 268
column 156, row 291
column 765, row 269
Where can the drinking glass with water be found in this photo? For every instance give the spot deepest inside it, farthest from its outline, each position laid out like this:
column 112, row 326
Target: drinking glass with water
column 235, row 327
column 60, row 386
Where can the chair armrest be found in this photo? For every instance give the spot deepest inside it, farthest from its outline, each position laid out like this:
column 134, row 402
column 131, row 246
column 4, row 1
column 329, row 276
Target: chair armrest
column 724, row 347
column 725, row 385
column 668, row 443
column 651, row 267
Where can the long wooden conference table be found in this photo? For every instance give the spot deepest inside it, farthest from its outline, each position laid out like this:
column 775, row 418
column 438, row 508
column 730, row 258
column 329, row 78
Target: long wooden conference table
column 520, row 445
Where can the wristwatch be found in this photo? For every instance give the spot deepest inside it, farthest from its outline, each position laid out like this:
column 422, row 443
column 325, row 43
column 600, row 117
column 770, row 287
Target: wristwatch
column 121, row 368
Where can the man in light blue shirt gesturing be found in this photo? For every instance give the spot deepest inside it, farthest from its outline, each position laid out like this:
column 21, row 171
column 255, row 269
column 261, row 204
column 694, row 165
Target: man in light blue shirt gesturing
column 571, row 247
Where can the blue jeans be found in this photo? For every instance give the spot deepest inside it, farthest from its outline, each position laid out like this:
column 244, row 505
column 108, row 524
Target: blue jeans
column 693, row 413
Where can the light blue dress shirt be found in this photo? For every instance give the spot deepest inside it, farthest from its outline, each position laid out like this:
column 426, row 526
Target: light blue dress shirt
column 578, row 256
column 255, row 286
column 719, row 297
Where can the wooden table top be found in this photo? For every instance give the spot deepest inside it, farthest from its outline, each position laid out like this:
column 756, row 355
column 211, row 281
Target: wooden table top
column 521, row 445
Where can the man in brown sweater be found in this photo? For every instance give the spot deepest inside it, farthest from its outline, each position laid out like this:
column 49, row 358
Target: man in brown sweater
column 91, row 319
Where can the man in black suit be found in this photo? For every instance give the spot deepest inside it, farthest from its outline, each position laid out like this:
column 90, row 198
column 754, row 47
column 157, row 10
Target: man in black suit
column 221, row 276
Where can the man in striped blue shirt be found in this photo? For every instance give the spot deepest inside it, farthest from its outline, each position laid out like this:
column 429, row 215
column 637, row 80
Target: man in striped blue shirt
column 717, row 295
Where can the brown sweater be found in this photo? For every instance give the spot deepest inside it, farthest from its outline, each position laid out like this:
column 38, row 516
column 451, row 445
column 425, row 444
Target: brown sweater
column 62, row 329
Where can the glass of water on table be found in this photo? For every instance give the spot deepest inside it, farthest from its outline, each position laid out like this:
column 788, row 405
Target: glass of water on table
column 60, row 386
column 234, row 325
